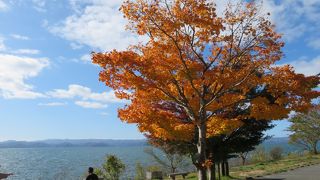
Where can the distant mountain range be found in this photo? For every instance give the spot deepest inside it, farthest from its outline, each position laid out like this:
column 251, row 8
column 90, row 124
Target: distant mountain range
column 277, row 140
column 71, row 143
column 108, row 143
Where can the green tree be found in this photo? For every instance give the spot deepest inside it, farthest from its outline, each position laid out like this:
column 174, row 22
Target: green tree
column 237, row 143
column 111, row 169
column 220, row 148
column 305, row 129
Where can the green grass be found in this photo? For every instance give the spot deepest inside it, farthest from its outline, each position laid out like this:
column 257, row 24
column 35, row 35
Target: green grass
column 272, row 167
column 266, row 168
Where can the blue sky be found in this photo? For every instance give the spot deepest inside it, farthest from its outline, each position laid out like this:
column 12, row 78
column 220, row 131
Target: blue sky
column 49, row 88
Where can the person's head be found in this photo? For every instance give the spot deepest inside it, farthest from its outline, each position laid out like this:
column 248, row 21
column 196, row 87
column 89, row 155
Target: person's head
column 90, row 170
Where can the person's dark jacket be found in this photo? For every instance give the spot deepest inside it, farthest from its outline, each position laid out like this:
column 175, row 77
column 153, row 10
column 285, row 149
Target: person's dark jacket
column 92, row 177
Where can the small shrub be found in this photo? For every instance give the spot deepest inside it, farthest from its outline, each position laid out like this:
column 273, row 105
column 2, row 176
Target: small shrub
column 276, row 153
column 114, row 167
column 259, row 155
column 98, row 172
column 140, row 172
column 111, row 169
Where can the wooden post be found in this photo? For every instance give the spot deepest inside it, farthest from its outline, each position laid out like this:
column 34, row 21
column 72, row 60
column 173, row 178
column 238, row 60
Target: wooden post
column 212, row 172
column 219, row 171
column 227, row 168
column 223, row 170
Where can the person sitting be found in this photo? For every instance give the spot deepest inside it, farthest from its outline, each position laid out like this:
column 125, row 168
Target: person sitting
column 91, row 175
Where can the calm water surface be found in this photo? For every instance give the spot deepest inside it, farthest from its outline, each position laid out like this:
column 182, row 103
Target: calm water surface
column 64, row 163
column 71, row 163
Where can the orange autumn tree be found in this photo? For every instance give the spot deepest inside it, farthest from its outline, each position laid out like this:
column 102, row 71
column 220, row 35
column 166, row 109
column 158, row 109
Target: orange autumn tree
column 198, row 66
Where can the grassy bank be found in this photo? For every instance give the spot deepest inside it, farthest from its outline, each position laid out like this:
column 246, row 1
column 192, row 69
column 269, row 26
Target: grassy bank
column 269, row 167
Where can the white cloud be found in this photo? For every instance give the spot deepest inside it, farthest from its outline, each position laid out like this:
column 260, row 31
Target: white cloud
column 39, row 5
column 92, row 105
column 53, row 104
column 73, row 90
column 75, row 46
column 19, row 37
column 86, row 58
column 98, row 24
column 294, row 18
column 307, row 67
column 26, row 51
column 2, row 45
column 14, row 71
column 84, row 97
column 84, row 93
column 18, row 51
column 314, row 43
column 3, row 6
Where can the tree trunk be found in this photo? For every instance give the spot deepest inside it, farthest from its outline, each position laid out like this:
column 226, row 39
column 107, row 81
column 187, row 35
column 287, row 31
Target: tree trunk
column 219, row 171
column 223, row 170
column 212, row 172
column 243, row 158
column 314, row 147
column 227, row 168
column 202, row 174
column 243, row 161
column 201, row 146
column 173, row 169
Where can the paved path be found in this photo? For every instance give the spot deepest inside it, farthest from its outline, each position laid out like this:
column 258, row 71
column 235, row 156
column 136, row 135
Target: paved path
column 305, row 173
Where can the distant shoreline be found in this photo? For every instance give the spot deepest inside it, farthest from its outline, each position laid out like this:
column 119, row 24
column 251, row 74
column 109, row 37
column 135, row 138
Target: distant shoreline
column 56, row 143
column 72, row 143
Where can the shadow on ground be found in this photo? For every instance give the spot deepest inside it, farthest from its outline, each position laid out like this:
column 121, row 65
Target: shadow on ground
column 269, row 179
column 265, row 178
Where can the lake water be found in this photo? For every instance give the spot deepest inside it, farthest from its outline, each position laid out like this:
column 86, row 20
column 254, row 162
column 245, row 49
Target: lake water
column 71, row 163
column 64, row 163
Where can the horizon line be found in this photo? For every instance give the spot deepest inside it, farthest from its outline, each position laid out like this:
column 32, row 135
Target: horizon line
column 114, row 139
column 50, row 139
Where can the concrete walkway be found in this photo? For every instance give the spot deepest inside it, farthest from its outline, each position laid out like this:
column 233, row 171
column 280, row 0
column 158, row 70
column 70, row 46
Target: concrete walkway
column 305, row 173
